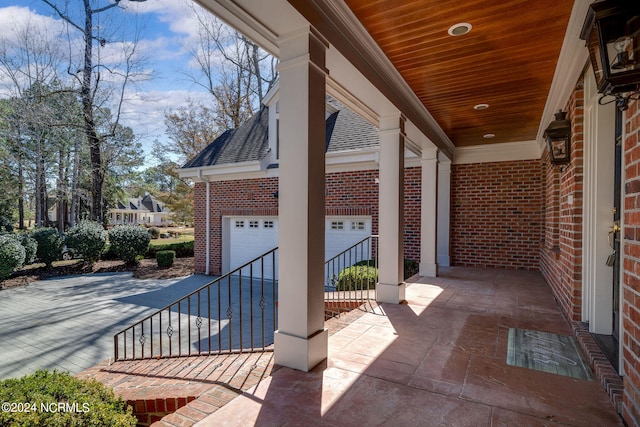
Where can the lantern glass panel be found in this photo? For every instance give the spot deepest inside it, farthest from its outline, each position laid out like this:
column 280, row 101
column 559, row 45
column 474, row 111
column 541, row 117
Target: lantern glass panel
column 558, row 146
column 621, row 35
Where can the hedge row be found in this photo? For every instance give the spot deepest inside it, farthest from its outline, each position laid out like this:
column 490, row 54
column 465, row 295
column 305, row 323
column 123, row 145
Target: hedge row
column 87, row 240
column 182, row 249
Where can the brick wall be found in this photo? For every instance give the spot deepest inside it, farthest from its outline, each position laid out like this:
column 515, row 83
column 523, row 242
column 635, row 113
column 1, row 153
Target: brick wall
column 347, row 193
column 631, row 268
column 149, row 411
column 496, row 214
column 561, row 250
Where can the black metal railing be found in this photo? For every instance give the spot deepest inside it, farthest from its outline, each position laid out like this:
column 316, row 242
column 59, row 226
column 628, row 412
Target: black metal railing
column 351, row 276
column 234, row 313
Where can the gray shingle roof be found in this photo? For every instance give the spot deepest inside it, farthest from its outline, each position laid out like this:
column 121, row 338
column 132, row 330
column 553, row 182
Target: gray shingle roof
column 250, row 142
column 144, row 204
column 351, row 132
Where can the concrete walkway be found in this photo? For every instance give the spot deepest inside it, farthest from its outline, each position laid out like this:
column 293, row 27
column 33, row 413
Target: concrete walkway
column 438, row 360
column 68, row 323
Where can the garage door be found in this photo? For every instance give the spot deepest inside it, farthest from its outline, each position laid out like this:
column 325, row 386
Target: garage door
column 249, row 237
column 343, row 232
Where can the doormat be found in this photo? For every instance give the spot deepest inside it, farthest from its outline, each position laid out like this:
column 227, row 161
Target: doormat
column 543, row 351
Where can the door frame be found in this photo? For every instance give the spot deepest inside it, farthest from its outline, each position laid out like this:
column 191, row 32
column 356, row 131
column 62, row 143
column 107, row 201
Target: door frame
column 598, row 203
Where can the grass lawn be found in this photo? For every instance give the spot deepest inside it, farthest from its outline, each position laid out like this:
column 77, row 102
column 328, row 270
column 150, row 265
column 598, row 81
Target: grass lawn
column 184, row 234
column 182, row 238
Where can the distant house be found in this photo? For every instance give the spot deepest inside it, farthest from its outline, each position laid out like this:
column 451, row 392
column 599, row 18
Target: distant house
column 140, row 210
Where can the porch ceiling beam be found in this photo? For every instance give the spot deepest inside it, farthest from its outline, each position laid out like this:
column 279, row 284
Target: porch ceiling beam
column 338, row 24
column 256, row 20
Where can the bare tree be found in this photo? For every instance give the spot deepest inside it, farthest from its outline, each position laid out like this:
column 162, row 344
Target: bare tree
column 233, row 69
column 190, row 130
column 89, row 77
column 29, row 60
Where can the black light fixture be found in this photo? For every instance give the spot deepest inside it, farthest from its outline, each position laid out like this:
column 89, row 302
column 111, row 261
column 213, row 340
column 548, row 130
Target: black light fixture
column 558, row 137
column 611, row 30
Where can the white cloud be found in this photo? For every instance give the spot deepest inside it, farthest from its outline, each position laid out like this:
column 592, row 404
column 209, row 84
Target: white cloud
column 177, row 14
column 171, row 26
column 144, row 111
column 13, row 19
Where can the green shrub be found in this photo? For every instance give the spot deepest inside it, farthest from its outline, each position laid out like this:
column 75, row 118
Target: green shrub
column 357, row 277
column 30, row 246
column 107, row 253
column 59, row 399
column 410, row 266
column 154, row 232
column 129, row 242
column 165, row 258
column 50, row 244
column 87, row 239
column 11, row 255
column 27, row 242
column 182, row 249
column 6, row 224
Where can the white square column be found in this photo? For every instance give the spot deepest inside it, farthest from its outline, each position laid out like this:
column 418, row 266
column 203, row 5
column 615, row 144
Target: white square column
column 444, row 212
column 301, row 341
column 429, row 213
column 391, row 286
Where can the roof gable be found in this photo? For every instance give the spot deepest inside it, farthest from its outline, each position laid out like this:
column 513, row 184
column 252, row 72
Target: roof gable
column 249, row 142
column 345, row 131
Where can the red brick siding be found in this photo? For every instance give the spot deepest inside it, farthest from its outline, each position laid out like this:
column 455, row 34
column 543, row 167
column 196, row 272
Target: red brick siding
column 561, row 251
column 412, row 212
column 242, row 197
column 347, row 193
column 496, row 214
column 631, row 275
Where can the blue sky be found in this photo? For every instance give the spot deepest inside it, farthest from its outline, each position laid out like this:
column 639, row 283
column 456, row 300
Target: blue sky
column 166, row 26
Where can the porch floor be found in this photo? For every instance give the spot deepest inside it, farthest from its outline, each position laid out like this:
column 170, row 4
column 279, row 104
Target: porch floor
column 437, row 360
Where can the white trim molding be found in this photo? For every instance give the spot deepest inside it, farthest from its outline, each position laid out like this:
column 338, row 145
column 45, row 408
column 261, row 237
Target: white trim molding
column 571, row 62
column 510, row 151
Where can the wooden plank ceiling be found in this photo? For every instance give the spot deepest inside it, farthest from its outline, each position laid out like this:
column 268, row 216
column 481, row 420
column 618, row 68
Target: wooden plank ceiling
column 507, row 60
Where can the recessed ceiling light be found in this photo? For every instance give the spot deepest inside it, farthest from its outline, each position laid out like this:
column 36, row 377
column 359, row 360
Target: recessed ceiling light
column 481, row 107
column 459, row 29
column 489, row 135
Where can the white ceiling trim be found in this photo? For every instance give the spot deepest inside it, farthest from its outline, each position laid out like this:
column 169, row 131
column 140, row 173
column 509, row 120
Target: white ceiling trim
column 571, row 63
column 505, row 152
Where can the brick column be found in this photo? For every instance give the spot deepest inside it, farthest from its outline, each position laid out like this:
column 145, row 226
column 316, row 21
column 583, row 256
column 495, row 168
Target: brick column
column 301, row 341
column 391, row 286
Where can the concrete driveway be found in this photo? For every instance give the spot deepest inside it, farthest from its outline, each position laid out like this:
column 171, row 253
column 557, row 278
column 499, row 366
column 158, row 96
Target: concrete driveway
column 68, row 323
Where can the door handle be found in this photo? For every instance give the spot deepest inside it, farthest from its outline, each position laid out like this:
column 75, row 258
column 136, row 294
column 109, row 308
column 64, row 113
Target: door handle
column 615, row 228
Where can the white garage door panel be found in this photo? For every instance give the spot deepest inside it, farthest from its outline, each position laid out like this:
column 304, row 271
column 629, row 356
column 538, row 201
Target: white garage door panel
column 344, row 232
column 250, row 237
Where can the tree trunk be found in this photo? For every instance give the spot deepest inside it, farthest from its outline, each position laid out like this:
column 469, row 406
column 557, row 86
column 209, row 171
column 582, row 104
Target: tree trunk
column 95, row 154
column 20, row 194
column 60, row 218
column 38, row 187
column 75, row 184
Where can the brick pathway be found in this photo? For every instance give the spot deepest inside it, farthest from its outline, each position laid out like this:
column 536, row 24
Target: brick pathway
column 182, row 391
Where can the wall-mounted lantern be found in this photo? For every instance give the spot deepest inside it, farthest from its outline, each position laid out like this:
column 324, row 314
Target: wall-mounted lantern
column 612, row 32
column 558, row 137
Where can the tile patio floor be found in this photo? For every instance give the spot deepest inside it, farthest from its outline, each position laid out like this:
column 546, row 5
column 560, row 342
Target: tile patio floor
column 438, row 360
